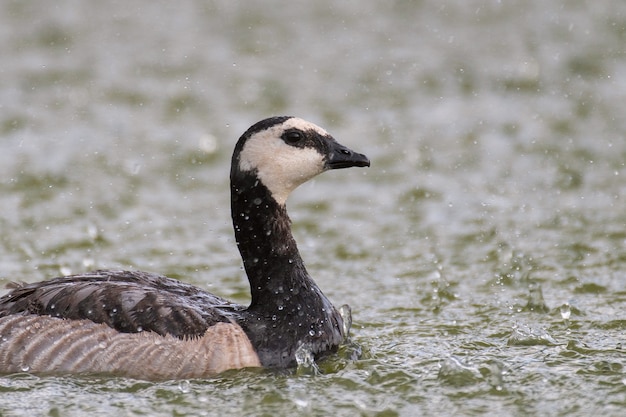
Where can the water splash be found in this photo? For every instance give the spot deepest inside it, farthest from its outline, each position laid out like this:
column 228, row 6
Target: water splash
column 455, row 371
column 516, row 266
column 535, row 298
column 524, row 335
column 184, row 387
column 494, row 374
column 346, row 314
column 306, row 361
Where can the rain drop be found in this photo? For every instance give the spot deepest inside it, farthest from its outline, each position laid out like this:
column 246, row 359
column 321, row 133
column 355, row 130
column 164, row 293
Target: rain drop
column 135, row 168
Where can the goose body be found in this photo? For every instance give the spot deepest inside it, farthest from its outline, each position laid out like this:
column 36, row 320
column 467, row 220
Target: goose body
column 149, row 326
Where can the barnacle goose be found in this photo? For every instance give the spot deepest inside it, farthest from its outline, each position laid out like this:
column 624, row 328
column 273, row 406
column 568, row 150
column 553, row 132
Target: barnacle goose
column 148, row 326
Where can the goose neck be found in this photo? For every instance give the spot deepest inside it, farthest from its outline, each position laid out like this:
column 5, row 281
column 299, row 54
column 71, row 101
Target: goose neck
column 269, row 251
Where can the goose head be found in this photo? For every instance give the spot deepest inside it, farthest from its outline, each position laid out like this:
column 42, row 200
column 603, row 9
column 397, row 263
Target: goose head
column 284, row 152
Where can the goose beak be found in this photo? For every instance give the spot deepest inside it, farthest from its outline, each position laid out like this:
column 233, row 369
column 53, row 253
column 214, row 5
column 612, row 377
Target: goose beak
column 339, row 156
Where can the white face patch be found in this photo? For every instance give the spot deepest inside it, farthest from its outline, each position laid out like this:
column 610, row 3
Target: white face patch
column 281, row 167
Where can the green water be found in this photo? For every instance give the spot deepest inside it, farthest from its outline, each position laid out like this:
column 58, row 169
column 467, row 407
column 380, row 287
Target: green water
column 483, row 253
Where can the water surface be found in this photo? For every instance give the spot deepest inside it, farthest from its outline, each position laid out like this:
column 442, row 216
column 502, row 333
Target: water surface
column 483, row 253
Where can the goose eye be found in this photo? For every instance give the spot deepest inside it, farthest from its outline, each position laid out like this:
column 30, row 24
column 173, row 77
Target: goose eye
column 293, row 137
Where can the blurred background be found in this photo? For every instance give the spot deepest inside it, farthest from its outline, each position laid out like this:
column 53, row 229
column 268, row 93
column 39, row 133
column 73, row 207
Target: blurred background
column 483, row 253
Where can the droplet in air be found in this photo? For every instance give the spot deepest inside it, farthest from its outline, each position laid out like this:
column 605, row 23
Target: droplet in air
column 92, row 231
column 135, row 168
column 207, row 143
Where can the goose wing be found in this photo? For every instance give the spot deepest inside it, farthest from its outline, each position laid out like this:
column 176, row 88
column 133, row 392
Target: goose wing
column 128, row 301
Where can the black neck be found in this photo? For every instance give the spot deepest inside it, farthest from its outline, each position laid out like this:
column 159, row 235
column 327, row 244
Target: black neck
column 269, row 251
column 284, row 297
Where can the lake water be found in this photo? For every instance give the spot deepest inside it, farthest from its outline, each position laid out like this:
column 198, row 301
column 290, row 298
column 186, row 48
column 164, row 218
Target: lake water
column 483, row 253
